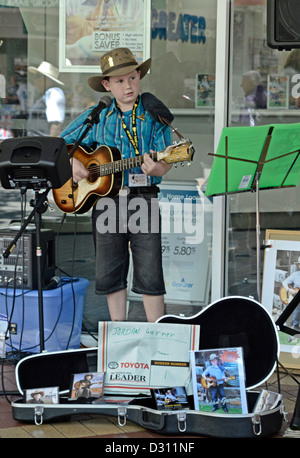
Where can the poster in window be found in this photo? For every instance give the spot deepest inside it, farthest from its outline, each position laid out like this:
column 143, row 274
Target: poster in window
column 281, row 281
column 278, row 91
column 89, row 29
column 205, row 90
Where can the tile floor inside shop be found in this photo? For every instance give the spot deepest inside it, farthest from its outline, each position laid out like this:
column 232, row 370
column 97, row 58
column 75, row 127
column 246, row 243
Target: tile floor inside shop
column 87, row 426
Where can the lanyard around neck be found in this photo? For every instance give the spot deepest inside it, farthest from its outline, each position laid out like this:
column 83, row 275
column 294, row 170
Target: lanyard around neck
column 132, row 138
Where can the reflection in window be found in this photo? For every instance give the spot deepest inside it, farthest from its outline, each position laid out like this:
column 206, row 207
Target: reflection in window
column 264, row 88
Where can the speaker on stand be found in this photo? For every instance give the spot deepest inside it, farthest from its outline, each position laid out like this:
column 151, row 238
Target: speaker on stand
column 283, row 24
column 34, row 163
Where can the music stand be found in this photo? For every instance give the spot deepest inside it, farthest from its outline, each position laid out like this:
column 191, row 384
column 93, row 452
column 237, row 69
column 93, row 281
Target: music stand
column 34, row 163
column 250, row 159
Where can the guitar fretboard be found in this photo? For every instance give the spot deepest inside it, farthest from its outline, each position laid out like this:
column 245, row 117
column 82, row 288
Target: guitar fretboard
column 119, row 166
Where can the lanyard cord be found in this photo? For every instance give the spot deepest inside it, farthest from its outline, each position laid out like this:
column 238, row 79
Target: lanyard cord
column 133, row 139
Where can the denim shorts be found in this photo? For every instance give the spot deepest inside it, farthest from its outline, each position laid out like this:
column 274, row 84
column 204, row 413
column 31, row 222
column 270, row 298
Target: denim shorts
column 127, row 225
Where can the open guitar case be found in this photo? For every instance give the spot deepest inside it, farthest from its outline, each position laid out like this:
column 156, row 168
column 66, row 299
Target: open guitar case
column 234, row 321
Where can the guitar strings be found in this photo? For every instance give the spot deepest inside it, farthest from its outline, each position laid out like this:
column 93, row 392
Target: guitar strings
column 97, row 170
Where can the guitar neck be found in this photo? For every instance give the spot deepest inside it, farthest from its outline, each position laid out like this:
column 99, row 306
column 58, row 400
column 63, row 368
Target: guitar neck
column 123, row 164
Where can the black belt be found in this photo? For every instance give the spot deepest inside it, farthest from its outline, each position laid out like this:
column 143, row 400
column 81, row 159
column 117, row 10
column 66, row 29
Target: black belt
column 142, row 189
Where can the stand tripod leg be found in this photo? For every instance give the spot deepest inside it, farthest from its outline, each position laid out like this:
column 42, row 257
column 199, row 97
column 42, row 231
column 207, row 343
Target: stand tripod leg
column 288, row 372
column 38, row 220
column 295, row 423
column 257, row 242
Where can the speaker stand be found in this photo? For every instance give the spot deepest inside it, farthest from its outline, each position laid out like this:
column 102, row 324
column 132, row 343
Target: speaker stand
column 39, row 205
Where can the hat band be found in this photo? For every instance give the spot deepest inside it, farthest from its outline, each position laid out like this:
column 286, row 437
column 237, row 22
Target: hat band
column 116, row 67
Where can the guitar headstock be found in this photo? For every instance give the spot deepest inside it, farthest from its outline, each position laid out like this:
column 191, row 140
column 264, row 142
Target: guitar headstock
column 182, row 151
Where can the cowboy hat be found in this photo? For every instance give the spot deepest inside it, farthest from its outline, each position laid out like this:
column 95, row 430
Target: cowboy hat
column 37, row 392
column 117, row 62
column 48, row 70
column 213, row 356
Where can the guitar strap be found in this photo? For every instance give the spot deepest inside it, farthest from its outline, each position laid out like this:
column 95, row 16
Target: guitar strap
column 132, row 138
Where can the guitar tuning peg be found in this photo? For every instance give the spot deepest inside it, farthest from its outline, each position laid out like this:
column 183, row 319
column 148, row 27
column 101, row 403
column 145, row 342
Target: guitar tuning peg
column 182, row 164
column 188, row 164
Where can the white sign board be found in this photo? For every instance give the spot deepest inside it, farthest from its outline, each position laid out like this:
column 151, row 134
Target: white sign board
column 186, row 244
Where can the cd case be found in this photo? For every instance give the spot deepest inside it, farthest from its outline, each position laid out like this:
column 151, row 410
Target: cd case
column 172, row 398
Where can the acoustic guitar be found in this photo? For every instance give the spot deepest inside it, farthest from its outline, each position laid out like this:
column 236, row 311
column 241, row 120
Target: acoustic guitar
column 286, row 296
column 105, row 178
column 212, row 381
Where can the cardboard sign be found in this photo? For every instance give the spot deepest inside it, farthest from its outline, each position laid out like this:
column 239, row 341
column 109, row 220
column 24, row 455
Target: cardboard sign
column 139, row 356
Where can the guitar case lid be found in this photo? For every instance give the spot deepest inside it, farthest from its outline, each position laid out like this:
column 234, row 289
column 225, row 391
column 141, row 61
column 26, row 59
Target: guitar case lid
column 237, row 321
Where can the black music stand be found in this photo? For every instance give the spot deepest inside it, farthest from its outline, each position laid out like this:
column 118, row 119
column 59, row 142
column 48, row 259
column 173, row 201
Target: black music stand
column 34, row 163
column 252, row 159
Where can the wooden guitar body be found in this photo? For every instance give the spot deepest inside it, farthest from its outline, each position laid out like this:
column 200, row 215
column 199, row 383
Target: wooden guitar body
column 286, row 296
column 81, row 197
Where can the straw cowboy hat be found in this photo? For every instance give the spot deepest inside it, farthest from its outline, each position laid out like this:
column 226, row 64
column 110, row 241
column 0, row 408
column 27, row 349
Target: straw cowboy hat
column 117, row 62
column 48, row 70
column 213, row 356
column 37, row 392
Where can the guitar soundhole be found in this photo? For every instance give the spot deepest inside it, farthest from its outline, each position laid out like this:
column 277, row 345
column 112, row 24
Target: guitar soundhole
column 94, row 173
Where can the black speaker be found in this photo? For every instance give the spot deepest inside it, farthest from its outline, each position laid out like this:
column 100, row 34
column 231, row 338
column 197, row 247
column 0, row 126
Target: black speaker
column 283, row 24
column 34, row 162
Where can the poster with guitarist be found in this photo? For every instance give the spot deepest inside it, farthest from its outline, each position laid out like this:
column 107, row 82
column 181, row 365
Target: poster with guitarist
column 281, row 283
column 219, row 380
column 290, row 287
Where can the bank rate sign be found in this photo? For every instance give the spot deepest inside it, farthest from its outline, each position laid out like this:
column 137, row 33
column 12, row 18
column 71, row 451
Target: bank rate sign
column 185, row 243
column 183, row 213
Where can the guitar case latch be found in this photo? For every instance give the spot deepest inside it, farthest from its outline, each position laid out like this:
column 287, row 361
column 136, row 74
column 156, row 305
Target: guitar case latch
column 122, row 415
column 38, row 415
column 181, row 419
column 256, row 425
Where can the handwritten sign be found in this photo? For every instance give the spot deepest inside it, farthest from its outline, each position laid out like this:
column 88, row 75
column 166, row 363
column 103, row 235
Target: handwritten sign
column 138, row 356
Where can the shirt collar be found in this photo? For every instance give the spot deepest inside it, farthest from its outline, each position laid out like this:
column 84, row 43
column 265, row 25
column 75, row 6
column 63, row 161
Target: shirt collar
column 140, row 114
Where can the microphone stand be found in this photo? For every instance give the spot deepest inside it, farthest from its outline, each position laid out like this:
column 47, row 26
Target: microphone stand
column 88, row 127
column 167, row 123
column 92, row 119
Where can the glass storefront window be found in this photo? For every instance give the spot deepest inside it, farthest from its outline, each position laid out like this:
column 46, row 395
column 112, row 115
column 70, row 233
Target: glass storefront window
column 261, row 90
column 183, row 49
